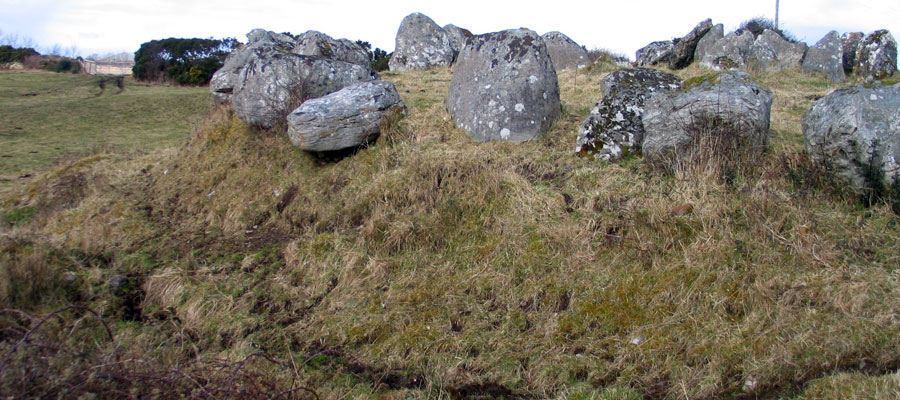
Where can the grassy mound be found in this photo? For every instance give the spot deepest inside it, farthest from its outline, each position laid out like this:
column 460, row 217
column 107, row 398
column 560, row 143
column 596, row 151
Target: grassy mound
column 428, row 266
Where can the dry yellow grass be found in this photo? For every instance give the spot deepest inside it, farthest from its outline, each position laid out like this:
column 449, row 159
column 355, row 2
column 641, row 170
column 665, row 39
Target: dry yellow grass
column 429, row 266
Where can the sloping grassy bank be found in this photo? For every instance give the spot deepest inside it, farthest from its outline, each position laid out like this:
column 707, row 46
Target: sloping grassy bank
column 428, row 266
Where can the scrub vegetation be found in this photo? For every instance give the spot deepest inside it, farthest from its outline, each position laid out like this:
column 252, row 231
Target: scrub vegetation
column 429, row 266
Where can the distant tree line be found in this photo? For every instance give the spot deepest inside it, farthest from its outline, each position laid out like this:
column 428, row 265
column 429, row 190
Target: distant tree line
column 31, row 59
column 378, row 58
column 10, row 54
column 182, row 61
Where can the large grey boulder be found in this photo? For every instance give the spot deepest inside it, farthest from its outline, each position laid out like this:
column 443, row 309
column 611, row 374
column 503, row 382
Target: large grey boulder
column 850, row 44
column 729, row 52
column 655, row 53
column 262, row 44
column 458, row 36
column 877, row 56
column 344, row 119
column 855, row 132
column 565, row 52
column 504, row 87
column 313, row 43
column 826, row 57
column 421, row 44
column 683, row 51
column 614, row 128
column 266, row 45
column 771, row 52
column 270, row 87
column 728, row 109
column 708, row 41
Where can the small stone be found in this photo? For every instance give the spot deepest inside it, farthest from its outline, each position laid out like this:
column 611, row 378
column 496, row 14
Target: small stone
column 750, row 385
column 565, row 52
column 877, row 56
column 825, row 57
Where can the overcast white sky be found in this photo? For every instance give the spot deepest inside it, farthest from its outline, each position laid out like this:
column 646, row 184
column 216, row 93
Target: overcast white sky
column 104, row 26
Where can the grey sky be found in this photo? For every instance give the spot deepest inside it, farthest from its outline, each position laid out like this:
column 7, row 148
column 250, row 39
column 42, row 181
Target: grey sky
column 101, row 26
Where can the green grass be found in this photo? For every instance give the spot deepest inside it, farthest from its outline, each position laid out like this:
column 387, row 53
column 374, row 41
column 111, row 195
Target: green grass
column 430, row 266
column 45, row 117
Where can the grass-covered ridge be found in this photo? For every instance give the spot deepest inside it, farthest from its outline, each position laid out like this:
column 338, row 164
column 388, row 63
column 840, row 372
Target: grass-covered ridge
column 429, row 266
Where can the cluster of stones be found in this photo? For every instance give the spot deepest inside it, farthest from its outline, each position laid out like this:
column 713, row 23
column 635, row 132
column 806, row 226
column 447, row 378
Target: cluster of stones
column 854, row 131
column 422, row 44
column 873, row 57
column 504, row 88
column 504, row 84
column 323, row 89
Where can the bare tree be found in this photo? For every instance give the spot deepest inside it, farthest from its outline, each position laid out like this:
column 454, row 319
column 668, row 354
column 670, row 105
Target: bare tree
column 72, row 51
column 56, row 50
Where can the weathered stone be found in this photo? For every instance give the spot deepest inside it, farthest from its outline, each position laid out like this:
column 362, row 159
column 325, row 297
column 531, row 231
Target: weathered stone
column 827, row 57
column 565, row 52
column 655, row 53
column 727, row 108
column 504, row 87
column 270, row 87
column 458, row 36
column 313, row 43
column 683, row 51
column 855, row 132
column 729, row 52
column 263, row 44
column 421, row 44
column 771, row 52
column 877, row 56
column 614, row 128
column 344, row 119
column 850, row 44
column 708, row 42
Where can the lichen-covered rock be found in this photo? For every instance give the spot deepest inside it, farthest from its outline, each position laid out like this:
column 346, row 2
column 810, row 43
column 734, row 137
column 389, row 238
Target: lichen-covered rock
column 683, row 51
column 655, row 53
column 421, row 44
column 708, row 41
column 850, row 44
column 771, row 52
column 614, row 128
column 263, row 44
column 877, row 56
column 344, row 119
column 458, row 36
column 504, row 87
column 729, row 52
column 266, row 45
column 855, row 132
column 271, row 87
column 727, row 108
column 826, row 57
column 313, row 43
column 565, row 52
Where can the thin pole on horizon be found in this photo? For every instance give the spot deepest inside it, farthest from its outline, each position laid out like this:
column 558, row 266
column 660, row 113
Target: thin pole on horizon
column 776, row 13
